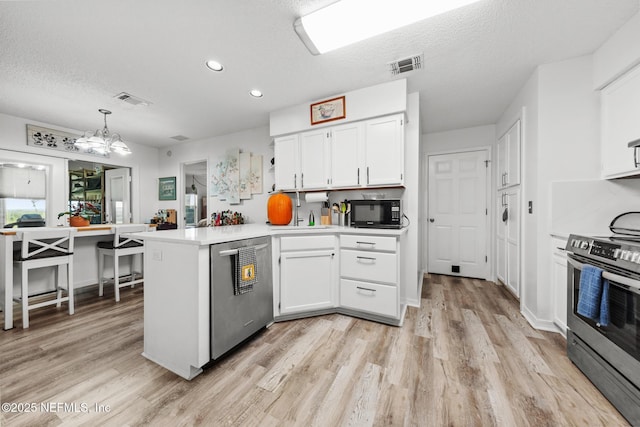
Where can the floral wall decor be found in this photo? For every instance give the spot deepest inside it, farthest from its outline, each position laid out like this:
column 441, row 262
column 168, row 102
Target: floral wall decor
column 235, row 176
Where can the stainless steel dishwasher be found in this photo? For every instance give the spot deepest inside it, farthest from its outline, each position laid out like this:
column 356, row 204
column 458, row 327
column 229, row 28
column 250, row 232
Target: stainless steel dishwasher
column 234, row 318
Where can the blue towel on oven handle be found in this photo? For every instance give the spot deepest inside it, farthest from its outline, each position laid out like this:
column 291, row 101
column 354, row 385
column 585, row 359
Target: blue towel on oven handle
column 590, row 294
column 604, row 303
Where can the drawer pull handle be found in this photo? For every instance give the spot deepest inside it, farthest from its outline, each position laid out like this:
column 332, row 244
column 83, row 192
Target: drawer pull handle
column 366, row 257
column 365, row 289
column 366, row 243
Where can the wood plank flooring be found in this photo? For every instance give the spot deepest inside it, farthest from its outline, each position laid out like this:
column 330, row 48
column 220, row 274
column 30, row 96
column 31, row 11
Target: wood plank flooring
column 466, row 357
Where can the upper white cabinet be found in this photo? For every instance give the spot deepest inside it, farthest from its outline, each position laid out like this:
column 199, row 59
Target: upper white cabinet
column 353, row 155
column 621, row 125
column 346, row 157
column 301, row 161
column 314, row 160
column 508, row 157
column 287, row 165
column 384, row 150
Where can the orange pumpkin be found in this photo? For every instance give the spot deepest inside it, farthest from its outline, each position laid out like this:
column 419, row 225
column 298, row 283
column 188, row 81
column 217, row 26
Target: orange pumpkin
column 279, row 209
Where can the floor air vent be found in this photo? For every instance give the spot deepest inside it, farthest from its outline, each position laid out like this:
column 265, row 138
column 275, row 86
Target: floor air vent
column 405, row 65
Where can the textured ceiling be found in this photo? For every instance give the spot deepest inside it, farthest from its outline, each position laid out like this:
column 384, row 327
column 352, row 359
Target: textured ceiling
column 62, row 60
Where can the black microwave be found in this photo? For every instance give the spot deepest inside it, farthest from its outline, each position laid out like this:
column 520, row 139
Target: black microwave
column 384, row 213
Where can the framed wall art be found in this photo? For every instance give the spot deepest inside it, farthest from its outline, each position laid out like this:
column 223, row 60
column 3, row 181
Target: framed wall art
column 328, row 110
column 167, row 188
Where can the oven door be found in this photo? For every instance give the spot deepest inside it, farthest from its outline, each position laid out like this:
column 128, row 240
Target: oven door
column 619, row 341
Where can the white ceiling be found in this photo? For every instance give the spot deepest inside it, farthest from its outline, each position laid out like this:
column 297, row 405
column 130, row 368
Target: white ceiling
column 62, row 60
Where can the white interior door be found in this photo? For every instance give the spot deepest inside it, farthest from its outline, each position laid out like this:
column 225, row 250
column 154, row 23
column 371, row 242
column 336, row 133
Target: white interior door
column 117, row 196
column 457, row 227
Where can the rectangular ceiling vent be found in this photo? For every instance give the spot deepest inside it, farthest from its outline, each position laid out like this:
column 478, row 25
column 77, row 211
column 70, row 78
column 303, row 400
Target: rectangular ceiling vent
column 180, row 137
column 130, row 99
column 405, row 65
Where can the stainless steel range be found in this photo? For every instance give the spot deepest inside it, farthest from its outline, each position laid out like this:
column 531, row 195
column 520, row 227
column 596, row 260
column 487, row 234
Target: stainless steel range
column 609, row 355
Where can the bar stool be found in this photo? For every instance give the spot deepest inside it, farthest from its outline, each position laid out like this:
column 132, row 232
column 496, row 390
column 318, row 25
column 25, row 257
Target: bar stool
column 45, row 248
column 123, row 244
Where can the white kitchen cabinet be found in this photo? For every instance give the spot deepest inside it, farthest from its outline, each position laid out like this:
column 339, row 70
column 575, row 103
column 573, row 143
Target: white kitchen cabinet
column 508, row 239
column 287, row 165
column 368, row 153
column 369, row 275
column 620, row 110
column 346, row 144
column 384, row 151
column 314, row 160
column 302, row 161
column 508, row 157
column 559, row 283
column 308, row 275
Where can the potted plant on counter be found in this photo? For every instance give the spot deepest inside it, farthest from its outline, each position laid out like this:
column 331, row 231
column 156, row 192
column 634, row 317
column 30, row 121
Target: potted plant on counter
column 79, row 217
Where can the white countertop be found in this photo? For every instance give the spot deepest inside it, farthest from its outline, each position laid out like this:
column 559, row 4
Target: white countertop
column 212, row 235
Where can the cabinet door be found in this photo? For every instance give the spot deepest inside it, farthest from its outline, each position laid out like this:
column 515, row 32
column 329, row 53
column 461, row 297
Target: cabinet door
column 307, row 281
column 559, row 283
column 513, row 241
column 501, row 239
column 286, row 162
column 513, row 155
column 508, row 157
column 501, row 160
column 384, row 151
column 346, row 144
column 620, row 125
column 314, row 160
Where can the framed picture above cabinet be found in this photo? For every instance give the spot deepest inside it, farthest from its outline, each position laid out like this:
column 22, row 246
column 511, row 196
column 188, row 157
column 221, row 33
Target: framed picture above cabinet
column 328, row 110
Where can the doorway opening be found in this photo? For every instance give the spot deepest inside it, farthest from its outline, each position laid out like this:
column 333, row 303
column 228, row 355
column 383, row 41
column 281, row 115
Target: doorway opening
column 458, row 214
column 195, row 194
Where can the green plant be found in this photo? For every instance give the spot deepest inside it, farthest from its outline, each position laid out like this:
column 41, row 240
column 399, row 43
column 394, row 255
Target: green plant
column 85, row 210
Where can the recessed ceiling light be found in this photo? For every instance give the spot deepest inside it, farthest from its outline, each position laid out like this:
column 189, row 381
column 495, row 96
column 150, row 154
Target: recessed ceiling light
column 255, row 93
column 214, row 65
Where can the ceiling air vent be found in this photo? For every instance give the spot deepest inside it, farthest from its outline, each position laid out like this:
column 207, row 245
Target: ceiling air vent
column 130, row 99
column 180, row 137
column 407, row 64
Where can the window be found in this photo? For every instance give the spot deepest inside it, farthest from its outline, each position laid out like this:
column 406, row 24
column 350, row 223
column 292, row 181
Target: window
column 22, row 195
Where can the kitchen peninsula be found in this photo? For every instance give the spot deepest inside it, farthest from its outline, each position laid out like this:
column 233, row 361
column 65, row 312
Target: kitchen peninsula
column 178, row 282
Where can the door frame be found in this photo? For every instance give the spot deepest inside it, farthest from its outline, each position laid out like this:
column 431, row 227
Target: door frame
column 490, row 200
column 182, row 183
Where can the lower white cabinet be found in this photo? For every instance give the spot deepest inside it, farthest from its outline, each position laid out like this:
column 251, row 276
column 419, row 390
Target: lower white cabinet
column 369, row 274
column 307, row 275
column 373, row 298
column 345, row 272
column 508, row 239
column 559, row 283
column 306, row 281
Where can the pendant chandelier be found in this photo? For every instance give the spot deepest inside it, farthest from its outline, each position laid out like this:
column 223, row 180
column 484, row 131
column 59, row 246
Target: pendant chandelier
column 102, row 141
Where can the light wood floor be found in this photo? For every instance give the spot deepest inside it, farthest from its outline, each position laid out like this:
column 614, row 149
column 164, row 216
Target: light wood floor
column 465, row 358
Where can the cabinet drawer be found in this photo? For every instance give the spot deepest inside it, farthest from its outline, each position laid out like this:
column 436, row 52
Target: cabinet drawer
column 363, row 242
column 368, row 265
column 369, row 297
column 299, row 243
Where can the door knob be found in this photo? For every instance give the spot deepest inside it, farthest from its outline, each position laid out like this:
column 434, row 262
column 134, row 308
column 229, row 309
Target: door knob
column 431, row 219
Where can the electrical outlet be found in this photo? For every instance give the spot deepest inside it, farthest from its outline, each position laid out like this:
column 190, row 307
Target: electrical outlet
column 157, row 255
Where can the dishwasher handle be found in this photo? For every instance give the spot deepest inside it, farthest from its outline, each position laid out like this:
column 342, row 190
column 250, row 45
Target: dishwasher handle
column 230, row 252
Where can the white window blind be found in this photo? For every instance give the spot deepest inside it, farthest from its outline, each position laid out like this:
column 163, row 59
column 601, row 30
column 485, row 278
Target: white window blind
column 22, row 183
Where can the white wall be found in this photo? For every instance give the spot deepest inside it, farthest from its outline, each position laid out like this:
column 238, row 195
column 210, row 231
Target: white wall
column 618, row 54
column 256, row 141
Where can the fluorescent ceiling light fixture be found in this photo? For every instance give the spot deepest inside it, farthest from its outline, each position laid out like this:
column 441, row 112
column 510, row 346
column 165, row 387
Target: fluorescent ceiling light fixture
column 214, row 65
column 255, row 93
column 350, row 21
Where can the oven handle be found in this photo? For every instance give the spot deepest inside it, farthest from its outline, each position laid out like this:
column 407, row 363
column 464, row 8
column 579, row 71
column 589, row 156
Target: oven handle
column 633, row 284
